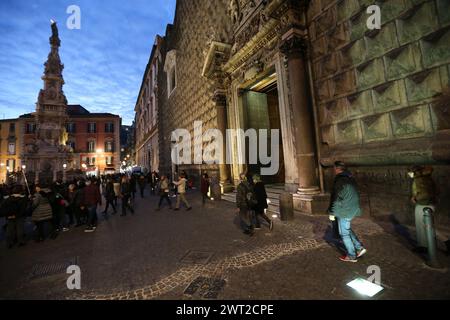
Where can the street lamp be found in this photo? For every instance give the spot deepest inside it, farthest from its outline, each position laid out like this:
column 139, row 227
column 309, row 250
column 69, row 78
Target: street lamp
column 24, row 167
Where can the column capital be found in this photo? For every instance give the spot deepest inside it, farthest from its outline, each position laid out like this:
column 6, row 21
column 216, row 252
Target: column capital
column 220, row 98
column 294, row 46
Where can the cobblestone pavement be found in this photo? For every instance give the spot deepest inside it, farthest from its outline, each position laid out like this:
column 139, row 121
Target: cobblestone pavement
column 202, row 254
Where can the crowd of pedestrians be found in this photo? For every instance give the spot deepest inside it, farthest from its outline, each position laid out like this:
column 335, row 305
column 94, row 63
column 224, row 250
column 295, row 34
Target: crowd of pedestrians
column 59, row 207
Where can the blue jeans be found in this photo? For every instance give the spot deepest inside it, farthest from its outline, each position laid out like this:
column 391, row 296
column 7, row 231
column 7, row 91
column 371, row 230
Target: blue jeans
column 92, row 218
column 349, row 238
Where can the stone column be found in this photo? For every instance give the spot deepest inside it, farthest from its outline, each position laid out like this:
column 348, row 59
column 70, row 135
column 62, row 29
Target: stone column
column 294, row 48
column 221, row 108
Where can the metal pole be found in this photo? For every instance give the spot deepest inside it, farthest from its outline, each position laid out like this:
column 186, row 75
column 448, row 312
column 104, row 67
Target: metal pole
column 431, row 238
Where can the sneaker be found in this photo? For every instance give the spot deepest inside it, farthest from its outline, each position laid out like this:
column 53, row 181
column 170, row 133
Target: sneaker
column 176, row 209
column 361, row 252
column 90, row 229
column 258, row 228
column 65, row 229
column 348, row 259
column 271, row 226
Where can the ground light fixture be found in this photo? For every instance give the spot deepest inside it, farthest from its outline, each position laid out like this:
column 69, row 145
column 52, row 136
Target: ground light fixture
column 364, row 287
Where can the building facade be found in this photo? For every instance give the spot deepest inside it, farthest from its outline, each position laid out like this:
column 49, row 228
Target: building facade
column 10, row 148
column 334, row 89
column 147, row 133
column 185, row 95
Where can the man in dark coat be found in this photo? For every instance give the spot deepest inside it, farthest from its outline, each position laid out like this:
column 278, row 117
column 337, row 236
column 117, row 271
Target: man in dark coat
column 125, row 194
column 261, row 197
column 204, row 187
column 141, row 183
column 243, row 206
column 133, row 182
column 14, row 210
column 345, row 205
column 109, row 197
column 92, row 199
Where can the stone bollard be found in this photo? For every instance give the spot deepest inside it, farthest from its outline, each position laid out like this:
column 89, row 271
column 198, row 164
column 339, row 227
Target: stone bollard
column 431, row 238
column 286, row 207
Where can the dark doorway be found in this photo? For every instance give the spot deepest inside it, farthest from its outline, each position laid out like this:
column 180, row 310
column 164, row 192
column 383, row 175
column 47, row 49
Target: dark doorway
column 262, row 112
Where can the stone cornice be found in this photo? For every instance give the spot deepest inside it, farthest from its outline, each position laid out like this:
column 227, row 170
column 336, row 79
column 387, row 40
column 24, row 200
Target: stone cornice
column 267, row 32
column 216, row 55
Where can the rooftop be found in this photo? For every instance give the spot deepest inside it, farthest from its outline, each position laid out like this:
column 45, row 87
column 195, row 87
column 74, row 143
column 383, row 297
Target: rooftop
column 78, row 111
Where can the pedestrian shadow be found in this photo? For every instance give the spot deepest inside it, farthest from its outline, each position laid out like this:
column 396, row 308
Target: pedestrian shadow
column 332, row 238
column 402, row 234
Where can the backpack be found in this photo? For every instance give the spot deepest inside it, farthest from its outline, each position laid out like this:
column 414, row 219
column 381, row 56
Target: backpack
column 251, row 198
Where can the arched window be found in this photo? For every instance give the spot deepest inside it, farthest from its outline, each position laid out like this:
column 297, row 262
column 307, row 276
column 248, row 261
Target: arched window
column 171, row 71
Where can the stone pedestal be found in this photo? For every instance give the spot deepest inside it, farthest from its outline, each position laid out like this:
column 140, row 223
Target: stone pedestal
column 286, row 207
column 316, row 204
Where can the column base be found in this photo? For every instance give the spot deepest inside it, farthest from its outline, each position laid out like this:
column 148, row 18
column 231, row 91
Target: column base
column 309, row 191
column 315, row 204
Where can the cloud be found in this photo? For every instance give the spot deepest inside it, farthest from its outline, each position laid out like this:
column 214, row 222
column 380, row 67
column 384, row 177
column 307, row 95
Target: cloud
column 104, row 61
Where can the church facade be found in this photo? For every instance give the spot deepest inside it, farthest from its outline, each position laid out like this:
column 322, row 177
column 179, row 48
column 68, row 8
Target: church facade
column 335, row 90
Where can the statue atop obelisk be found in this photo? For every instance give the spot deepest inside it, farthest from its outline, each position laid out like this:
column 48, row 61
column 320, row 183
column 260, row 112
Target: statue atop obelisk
column 51, row 108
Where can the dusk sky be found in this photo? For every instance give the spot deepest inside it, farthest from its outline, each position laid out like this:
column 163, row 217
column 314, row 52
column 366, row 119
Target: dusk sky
column 104, row 60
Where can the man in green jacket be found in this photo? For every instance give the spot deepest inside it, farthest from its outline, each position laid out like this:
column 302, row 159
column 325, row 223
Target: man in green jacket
column 345, row 205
